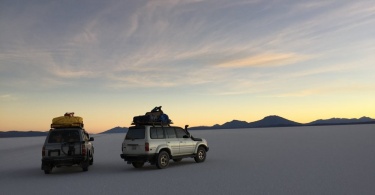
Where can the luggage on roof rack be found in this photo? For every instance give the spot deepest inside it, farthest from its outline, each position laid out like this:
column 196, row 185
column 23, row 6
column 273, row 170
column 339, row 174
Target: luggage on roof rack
column 68, row 120
column 155, row 117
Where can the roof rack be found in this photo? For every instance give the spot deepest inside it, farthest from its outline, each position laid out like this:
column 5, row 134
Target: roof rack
column 152, row 123
column 78, row 125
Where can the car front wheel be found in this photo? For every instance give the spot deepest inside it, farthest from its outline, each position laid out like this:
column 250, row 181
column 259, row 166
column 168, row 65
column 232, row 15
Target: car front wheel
column 201, row 155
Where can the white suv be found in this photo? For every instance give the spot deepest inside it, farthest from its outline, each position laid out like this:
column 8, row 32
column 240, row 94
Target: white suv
column 157, row 144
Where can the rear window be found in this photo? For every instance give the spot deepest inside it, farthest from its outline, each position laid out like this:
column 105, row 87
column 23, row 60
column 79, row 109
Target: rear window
column 59, row 136
column 135, row 133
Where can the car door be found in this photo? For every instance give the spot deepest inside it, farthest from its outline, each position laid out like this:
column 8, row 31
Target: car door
column 172, row 141
column 187, row 145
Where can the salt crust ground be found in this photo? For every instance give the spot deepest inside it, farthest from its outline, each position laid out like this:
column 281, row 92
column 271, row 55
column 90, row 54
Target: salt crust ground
column 296, row 160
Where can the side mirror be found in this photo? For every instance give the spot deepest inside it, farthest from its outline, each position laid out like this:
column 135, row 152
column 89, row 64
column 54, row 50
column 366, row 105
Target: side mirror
column 91, row 139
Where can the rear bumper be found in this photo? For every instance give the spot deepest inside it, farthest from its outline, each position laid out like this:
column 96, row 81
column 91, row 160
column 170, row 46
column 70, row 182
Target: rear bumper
column 138, row 158
column 62, row 161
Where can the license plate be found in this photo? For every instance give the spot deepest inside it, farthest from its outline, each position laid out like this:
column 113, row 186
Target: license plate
column 134, row 147
column 54, row 153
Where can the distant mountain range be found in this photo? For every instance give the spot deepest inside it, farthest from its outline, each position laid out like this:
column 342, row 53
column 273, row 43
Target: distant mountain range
column 277, row 121
column 269, row 121
column 22, row 133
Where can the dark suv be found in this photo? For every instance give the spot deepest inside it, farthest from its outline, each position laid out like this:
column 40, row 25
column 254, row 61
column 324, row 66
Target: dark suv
column 67, row 147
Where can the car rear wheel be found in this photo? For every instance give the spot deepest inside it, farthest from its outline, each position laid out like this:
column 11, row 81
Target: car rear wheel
column 162, row 160
column 85, row 165
column 47, row 170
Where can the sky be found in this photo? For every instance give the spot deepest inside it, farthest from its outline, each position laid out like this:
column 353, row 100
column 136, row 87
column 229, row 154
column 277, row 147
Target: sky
column 205, row 62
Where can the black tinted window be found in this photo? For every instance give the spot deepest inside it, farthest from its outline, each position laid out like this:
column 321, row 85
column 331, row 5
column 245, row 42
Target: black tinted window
column 170, row 132
column 180, row 132
column 59, row 136
column 135, row 133
column 156, row 133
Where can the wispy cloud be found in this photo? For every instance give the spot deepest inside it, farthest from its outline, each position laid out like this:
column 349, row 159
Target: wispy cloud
column 265, row 60
column 7, row 97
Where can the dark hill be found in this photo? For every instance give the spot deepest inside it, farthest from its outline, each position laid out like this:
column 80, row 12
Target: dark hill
column 116, row 130
column 274, row 121
column 234, row 124
column 269, row 121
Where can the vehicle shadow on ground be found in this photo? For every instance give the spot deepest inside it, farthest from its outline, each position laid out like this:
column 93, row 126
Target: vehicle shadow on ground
column 101, row 168
column 149, row 167
column 35, row 172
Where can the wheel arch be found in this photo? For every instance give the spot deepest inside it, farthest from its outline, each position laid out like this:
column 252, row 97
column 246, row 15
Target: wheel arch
column 167, row 149
column 201, row 145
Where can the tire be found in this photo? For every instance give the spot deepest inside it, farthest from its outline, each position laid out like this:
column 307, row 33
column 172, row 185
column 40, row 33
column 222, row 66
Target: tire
column 91, row 161
column 177, row 160
column 201, row 155
column 47, row 170
column 162, row 160
column 138, row 164
column 85, row 165
column 85, row 168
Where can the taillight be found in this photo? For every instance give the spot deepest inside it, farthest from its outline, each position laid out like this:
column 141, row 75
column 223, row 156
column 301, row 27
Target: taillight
column 83, row 150
column 147, row 146
column 43, row 151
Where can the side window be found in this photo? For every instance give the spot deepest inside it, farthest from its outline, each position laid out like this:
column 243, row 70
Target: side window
column 153, row 133
column 180, row 132
column 156, row 133
column 170, row 132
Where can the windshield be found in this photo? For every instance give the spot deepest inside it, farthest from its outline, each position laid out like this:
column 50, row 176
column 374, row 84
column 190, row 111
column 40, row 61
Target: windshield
column 135, row 133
